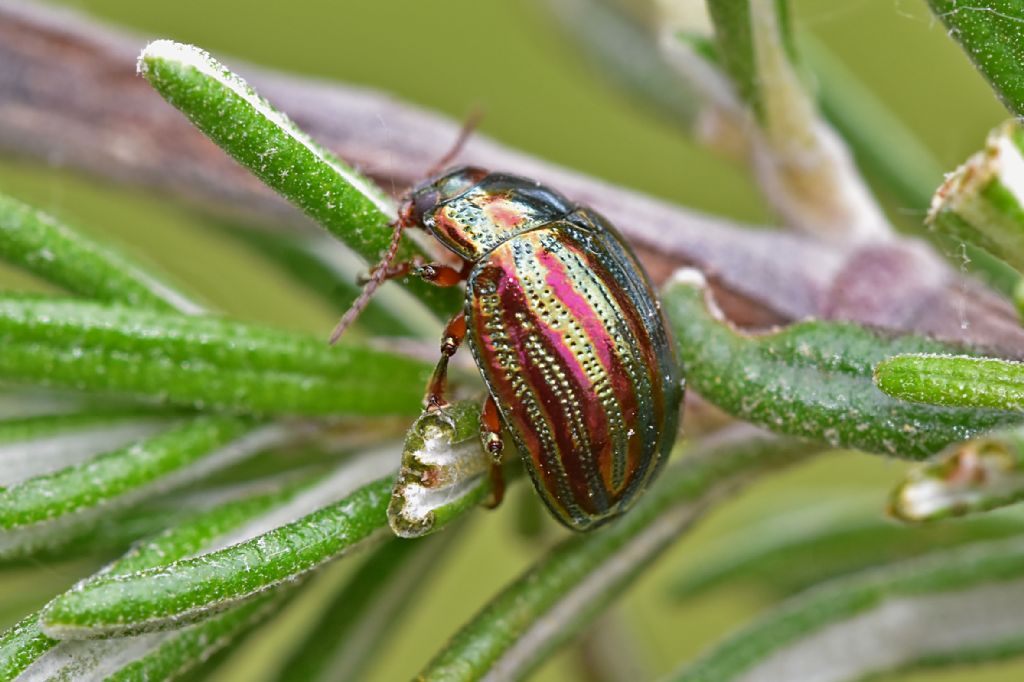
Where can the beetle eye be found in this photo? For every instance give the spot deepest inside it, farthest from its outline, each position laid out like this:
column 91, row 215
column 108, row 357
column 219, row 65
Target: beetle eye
column 422, row 204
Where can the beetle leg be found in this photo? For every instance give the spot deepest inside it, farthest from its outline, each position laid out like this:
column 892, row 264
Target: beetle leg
column 435, row 273
column 443, row 275
column 394, row 271
column 490, row 431
column 454, row 333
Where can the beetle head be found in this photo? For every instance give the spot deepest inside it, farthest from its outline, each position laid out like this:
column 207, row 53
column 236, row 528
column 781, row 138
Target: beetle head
column 425, row 197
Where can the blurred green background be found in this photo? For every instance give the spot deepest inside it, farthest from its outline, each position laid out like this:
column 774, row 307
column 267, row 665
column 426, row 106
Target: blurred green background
column 540, row 96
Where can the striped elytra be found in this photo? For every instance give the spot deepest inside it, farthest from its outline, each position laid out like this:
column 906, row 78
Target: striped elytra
column 567, row 333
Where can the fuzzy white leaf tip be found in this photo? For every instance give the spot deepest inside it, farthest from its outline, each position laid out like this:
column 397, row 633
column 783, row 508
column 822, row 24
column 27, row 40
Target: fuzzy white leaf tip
column 170, row 50
column 690, row 277
column 201, row 61
column 1000, row 161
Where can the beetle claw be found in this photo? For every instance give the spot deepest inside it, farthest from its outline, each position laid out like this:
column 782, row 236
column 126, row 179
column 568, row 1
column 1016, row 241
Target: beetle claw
column 449, row 346
column 426, row 271
column 494, row 445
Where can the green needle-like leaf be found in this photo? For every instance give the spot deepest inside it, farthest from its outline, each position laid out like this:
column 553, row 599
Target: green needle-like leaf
column 189, row 589
column 99, row 536
column 792, row 552
column 20, row 646
column 165, row 656
column 31, row 446
column 157, row 656
column 43, row 509
column 50, row 496
column 317, row 263
column 990, row 33
column 813, row 379
column 263, row 140
column 41, row 426
column 558, row 596
column 976, row 475
column 42, row 245
column 26, row 643
column 198, row 361
column 207, row 527
column 955, row 380
column 965, row 604
column 356, row 622
column 734, row 35
column 802, row 166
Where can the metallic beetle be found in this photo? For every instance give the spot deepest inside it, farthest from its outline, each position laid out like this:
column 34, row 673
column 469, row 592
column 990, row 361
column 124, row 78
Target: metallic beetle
column 567, row 333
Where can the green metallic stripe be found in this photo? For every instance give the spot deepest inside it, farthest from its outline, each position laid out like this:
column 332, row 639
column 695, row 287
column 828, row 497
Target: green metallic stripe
column 484, row 316
column 634, row 307
column 531, row 276
column 591, row 281
column 660, row 357
column 594, row 285
column 552, row 310
column 660, row 352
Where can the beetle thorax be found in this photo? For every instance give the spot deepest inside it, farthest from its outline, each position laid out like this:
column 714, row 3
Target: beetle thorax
column 479, row 220
column 489, row 212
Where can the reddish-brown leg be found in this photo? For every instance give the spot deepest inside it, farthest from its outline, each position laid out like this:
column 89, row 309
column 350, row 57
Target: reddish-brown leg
column 454, row 333
column 435, row 273
column 393, row 271
column 490, row 431
column 443, row 275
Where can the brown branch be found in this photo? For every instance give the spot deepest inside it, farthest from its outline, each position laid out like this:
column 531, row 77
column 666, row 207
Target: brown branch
column 69, row 95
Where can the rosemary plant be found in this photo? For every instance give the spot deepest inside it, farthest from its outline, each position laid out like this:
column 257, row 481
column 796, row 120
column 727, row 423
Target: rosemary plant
column 211, row 479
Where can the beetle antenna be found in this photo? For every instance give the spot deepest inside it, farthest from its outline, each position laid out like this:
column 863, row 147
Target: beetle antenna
column 472, row 121
column 377, row 277
column 381, row 271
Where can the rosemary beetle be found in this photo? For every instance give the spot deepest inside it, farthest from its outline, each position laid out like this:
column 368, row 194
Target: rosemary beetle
column 567, row 333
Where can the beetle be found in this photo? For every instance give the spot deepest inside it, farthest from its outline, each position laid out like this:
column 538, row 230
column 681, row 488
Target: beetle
column 566, row 330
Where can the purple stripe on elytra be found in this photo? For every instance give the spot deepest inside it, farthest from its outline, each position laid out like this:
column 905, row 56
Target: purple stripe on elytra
column 621, row 367
column 597, row 453
column 631, row 299
column 594, row 448
column 517, row 396
column 636, row 300
column 556, row 419
column 603, row 346
column 567, row 403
